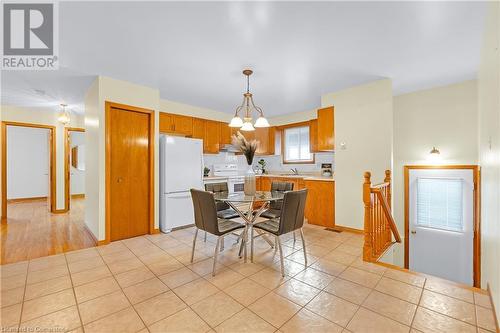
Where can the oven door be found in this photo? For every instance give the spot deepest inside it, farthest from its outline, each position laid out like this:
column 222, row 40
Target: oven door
column 236, row 185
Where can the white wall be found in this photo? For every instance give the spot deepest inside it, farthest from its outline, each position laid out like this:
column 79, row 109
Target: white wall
column 295, row 117
column 489, row 152
column 77, row 178
column 111, row 90
column 363, row 121
column 45, row 116
column 27, row 162
column 445, row 117
column 193, row 111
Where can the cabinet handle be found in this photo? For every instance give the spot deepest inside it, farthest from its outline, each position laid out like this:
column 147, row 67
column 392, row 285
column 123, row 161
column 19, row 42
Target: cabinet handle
column 119, row 180
column 413, row 232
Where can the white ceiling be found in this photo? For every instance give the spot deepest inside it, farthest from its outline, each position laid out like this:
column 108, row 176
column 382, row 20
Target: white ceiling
column 194, row 52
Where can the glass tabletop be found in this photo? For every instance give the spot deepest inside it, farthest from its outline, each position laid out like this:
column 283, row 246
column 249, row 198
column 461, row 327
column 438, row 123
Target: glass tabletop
column 242, row 197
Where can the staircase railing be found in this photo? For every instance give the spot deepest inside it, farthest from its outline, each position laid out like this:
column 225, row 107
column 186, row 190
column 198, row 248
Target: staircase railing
column 380, row 227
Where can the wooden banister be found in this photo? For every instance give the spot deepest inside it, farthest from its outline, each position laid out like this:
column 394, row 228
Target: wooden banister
column 379, row 225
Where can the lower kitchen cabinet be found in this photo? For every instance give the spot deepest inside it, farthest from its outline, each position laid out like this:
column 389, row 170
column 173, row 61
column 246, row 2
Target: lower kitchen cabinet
column 320, row 203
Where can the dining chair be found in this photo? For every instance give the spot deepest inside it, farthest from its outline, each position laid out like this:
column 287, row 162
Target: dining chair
column 205, row 218
column 223, row 209
column 274, row 210
column 291, row 219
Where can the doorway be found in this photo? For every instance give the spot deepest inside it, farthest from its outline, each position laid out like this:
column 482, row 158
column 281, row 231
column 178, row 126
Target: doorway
column 74, row 167
column 129, row 171
column 28, row 165
column 442, row 222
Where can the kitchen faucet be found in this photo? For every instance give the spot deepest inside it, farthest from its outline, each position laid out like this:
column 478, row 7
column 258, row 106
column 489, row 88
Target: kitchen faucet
column 295, row 171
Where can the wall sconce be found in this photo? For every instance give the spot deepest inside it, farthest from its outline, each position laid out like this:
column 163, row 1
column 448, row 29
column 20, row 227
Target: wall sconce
column 434, row 155
column 64, row 117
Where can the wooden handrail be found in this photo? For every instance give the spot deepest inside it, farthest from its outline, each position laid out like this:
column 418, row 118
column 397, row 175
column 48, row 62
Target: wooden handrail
column 379, row 225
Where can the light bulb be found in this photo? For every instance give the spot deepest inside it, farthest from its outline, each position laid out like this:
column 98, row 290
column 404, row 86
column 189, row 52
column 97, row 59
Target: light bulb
column 247, row 126
column 236, row 122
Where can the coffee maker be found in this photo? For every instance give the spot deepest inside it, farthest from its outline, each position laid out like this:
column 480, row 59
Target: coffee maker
column 326, row 169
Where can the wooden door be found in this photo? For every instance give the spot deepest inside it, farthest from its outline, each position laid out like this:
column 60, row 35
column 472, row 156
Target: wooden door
column 129, row 180
column 325, row 129
column 211, row 139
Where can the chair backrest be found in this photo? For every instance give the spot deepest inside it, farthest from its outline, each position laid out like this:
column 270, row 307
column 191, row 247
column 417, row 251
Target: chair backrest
column 292, row 211
column 279, row 187
column 205, row 213
column 218, row 187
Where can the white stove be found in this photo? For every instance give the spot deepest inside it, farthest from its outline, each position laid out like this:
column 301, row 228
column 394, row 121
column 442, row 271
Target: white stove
column 235, row 182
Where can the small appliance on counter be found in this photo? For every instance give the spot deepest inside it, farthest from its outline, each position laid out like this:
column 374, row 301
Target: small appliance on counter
column 326, row 169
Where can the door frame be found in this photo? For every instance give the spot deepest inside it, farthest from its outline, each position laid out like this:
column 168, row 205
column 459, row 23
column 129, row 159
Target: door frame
column 476, row 264
column 151, row 114
column 67, row 169
column 52, row 163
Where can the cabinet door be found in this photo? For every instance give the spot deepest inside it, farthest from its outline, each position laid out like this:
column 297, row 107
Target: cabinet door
column 262, row 136
column 166, row 123
column 325, row 129
column 320, row 202
column 225, row 133
column 313, row 135
column 198, row 128
column 265, row 183
column 212, row 137
column 183, row 124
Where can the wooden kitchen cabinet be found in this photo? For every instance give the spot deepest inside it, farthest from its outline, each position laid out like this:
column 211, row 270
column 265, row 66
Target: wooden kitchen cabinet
column 211, row 138
column 320, row 203
column 265, row 136
column 198, row 128
column 313, row 135
column 265, row 183
column 325, row 129
column 225, row 133
column 183, row 124
column 166, row 123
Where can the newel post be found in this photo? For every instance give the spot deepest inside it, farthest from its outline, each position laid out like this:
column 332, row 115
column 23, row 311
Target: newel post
column 368, row 246
column 387, row 179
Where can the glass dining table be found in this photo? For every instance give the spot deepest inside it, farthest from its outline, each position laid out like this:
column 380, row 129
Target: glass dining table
column 243, row 204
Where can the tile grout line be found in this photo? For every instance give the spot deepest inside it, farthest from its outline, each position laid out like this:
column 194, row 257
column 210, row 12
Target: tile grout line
column 74, row 295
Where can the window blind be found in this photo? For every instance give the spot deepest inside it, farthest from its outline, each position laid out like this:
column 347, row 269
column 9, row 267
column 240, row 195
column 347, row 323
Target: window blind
column 439, row 203
column 297, row 144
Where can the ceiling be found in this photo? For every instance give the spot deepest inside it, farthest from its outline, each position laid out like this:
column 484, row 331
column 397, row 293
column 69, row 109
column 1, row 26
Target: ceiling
column 193, row 52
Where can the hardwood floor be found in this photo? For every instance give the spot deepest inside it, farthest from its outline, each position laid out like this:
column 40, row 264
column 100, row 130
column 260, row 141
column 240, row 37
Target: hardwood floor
column 32, row 231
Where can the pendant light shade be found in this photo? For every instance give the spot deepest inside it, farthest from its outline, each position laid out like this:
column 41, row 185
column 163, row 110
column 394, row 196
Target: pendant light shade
column 261, row 122
column 248, row 107
column 236, row 122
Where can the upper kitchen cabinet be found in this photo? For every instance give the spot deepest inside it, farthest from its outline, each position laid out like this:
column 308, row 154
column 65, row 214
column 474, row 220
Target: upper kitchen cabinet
column 198, row 128
column 265, row 136
column 176, row 124
column 225, row 133
column 166, row 122
column 183, row 125
column 313, row 135
column 325, row 129
column 211, row 139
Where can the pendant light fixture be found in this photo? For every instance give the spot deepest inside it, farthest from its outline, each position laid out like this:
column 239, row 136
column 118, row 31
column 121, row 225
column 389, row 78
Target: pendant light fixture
column 248, row 107
column 64, row 117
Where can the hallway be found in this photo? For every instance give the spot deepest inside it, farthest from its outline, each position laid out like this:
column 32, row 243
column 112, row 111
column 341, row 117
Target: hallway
column 32, row 231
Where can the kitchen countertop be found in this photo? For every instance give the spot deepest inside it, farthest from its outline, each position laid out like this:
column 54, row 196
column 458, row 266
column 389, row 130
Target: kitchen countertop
column 214, row 178
column 305, row 177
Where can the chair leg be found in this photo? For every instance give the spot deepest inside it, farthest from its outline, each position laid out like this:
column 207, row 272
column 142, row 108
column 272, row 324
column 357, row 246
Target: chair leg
column 194, row 243
column 281, row 255
column 222, row 243
column 303, row 245
column 251, row 245
column 215, row 255
column 242, row 243
column 293, row 237
column 205, row 239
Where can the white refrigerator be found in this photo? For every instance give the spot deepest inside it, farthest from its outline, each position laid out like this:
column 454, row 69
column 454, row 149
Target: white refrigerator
column 181, row 169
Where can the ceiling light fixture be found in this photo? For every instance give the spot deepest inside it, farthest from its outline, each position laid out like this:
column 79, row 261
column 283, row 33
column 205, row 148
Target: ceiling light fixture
column 248, row 106
column 64, row 117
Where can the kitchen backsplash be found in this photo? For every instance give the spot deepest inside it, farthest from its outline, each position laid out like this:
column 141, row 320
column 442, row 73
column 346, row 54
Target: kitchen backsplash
column 273, row 163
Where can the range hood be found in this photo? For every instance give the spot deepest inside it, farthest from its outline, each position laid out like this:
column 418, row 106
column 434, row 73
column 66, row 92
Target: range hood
column 229, row 148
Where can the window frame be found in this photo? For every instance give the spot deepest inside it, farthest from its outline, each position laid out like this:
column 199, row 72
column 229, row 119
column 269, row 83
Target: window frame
column 283, row 143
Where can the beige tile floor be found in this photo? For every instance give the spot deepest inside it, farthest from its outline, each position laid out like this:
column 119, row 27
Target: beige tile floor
column 147, row 284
